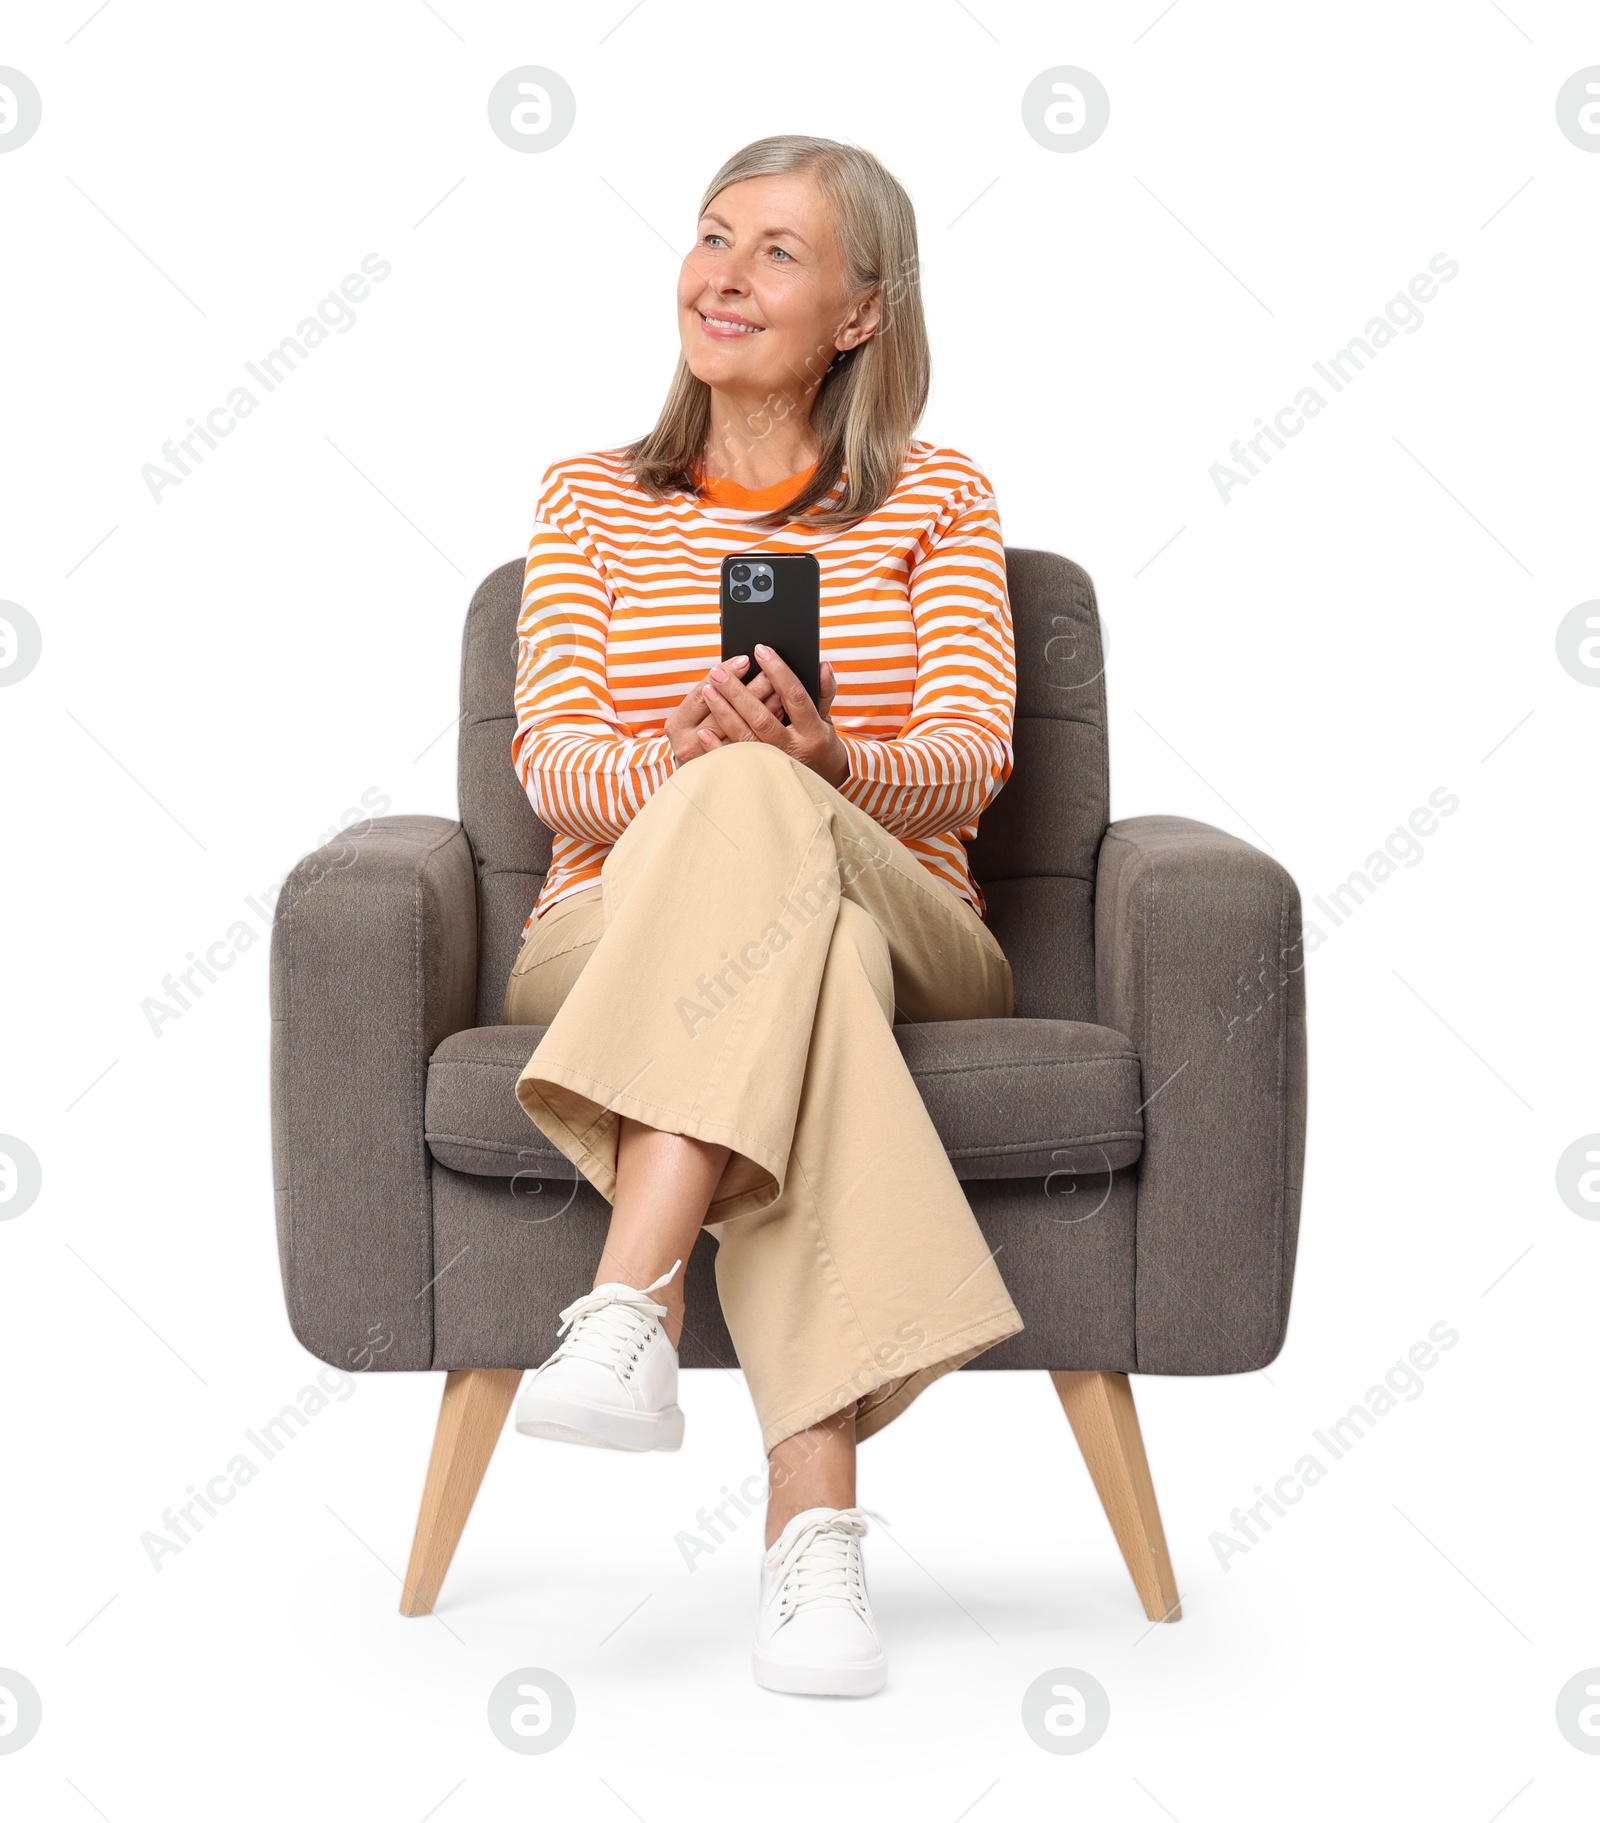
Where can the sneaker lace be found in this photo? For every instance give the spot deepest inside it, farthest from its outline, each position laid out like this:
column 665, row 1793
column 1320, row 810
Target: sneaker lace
column 823, row 1563
column 605, row 1321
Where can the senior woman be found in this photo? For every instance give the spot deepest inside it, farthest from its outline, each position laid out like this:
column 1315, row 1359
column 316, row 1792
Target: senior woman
column 748, row 889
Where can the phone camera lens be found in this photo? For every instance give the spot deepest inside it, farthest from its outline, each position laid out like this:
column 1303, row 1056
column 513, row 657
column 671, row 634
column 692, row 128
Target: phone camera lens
column 740, row 591
column 740, row 573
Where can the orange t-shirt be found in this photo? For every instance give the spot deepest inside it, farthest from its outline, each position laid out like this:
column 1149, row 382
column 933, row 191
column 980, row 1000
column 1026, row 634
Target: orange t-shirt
column 620, row 619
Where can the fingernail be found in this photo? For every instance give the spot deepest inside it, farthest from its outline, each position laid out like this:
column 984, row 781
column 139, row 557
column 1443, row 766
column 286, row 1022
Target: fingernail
column 742, row 659
column 718, row 673
column 763, row 651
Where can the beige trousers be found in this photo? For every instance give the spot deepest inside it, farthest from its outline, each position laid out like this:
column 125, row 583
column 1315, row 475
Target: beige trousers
column 735, row 976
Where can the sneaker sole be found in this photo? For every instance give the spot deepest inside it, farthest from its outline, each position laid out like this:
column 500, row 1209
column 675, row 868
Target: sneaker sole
column 855, row 1677
column 573, row 1421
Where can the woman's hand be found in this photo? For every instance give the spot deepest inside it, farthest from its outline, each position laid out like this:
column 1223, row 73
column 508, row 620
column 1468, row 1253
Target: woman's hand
column 742, row 714
column 686, row 724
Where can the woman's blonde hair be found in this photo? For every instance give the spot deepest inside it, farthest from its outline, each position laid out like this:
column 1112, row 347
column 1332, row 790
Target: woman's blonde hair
column 870, row 399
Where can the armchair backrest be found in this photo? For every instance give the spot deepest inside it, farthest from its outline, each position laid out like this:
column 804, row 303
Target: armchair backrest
column 1037, row 843
column 509, row 843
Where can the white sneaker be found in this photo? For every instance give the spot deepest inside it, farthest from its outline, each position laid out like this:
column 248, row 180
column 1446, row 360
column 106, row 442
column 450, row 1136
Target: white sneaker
column 815, row 1635
column 614, row 1381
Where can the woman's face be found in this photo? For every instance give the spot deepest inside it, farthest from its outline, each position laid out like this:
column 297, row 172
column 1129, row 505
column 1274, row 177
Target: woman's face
column 766, row 258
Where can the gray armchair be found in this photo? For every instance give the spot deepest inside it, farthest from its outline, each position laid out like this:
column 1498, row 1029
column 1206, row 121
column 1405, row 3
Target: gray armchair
column 1132, row 1139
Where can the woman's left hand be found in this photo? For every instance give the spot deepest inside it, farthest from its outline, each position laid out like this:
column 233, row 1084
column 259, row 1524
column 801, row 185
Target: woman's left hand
column 807, row 736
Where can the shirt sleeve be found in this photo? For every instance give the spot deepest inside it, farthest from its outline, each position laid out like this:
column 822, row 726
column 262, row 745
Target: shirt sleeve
column 584, row 773
column 954, row 753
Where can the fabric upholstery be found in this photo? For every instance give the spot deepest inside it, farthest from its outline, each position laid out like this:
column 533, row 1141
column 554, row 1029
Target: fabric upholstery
column 1036, row 846
column 374, row 962
column 1160, row 1016
column 510, row 846
column 518, row 1252
column 1199, row 962
column 1008, row 1097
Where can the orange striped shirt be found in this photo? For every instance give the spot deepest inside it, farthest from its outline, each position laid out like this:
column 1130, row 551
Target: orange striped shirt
column 620, row 620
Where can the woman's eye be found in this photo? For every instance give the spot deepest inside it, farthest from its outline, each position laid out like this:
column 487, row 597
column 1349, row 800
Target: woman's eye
column 787, row 256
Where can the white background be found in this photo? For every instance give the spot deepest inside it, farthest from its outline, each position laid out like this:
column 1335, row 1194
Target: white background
column 1371, row 618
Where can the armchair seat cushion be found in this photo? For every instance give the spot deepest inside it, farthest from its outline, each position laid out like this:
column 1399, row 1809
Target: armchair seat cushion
column 1008, row 1098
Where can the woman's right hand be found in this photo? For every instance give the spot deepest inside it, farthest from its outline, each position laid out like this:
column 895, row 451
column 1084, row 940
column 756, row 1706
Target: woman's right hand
column 690, row 729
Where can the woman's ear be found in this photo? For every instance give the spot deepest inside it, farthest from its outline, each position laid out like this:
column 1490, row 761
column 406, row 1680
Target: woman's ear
column 865, row 320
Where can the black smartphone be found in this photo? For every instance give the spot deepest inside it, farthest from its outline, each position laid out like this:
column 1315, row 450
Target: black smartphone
column 774, row 598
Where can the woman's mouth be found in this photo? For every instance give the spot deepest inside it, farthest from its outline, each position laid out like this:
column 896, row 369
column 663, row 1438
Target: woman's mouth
column 727, row 328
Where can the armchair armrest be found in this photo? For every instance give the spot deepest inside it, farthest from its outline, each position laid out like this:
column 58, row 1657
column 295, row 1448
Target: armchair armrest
column 374, row 962
column 1198, row 961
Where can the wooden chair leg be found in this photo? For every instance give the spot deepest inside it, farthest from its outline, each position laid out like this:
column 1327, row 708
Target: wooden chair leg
column 471, row 1417
column 1099, row 1407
